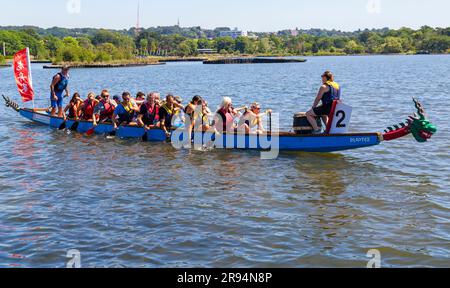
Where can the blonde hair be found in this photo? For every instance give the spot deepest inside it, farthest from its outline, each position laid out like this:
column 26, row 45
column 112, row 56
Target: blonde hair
column 225, row 102
column 255, row 105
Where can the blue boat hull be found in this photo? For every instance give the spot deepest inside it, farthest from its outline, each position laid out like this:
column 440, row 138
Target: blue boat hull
column 280, row 141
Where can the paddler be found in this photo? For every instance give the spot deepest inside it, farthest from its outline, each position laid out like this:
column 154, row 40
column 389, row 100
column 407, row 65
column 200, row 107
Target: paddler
column 73, row 107
column 104, row 111
column 88, row 107
column 60, row 84
column 225, row 116
column 328, row 93
column 125, row 111
column 252, row 120
column 166, row 113
column 148, row 115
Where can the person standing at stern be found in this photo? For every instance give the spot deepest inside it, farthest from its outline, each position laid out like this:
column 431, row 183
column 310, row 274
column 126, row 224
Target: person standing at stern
column 328, row 93
column 59, row 85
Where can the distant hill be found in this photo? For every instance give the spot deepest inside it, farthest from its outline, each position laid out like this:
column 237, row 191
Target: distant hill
column 188, row 32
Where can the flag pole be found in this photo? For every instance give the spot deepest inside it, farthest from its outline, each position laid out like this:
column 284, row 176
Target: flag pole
column 29, row 71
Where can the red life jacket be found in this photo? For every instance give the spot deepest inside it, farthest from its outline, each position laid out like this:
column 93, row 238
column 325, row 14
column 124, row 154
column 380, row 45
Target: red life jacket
column 227, row 120
column 152, row 111
column 88, row 110
column 108, row 112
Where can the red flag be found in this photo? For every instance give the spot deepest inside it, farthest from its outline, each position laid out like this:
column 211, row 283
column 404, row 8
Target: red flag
column 22, row 73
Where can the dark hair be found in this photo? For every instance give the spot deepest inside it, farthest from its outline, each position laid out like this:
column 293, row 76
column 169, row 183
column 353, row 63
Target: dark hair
column 170, row 95
column 196, row 98
column 75, row 95
column 328, row 75
column 126, row 94
column 105, row 91
column 140, row 94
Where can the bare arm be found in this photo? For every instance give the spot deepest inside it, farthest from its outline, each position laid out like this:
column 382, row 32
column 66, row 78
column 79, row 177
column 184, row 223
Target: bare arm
column 322, row 91
column 55, row 81
column 67, row 108
column 139, row 120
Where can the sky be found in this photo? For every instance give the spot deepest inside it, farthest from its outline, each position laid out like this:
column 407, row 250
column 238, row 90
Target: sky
column 249, row 15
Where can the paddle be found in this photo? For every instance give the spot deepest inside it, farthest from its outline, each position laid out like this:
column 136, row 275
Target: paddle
column 113, row 133
column 145, row 136
column 90, row 131
column 75, row 126
column 63, row 125
column 270, row 123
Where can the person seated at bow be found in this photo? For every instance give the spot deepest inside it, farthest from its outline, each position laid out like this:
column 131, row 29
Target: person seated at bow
column 104, row 111
column 166, row 113
column 125, row 112
column 73, row 107
column 251, row 120
column 88, row 107
column 224, row 120
column 148, row 116
column 328, row 93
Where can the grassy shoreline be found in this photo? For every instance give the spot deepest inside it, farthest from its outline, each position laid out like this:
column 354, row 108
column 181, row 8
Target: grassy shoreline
column 157, row 60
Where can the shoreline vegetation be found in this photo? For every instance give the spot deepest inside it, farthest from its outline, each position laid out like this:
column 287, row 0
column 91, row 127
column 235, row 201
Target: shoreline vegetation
column 88, row 47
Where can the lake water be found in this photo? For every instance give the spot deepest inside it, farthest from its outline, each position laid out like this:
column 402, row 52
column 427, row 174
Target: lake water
column 126, row 203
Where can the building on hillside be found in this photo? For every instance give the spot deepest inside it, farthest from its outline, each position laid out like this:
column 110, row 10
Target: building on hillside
column 207, row 51
column 233, row 33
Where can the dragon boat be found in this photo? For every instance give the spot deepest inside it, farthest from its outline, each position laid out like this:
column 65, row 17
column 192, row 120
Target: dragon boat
column 417, row 125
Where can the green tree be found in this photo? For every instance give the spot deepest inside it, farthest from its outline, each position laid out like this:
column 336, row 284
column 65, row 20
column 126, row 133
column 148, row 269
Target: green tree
column 264, row 45
column 353, row 48
column 436, row 44
column 243, row 45
column 225, row 44
column 204, row 43
column 392, row 45
column 143, row 45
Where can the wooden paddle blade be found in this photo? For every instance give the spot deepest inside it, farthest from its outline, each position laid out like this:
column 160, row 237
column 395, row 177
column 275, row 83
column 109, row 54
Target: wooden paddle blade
column 75, row 126
column 62, row 126
column 90, row 131
column 145, row 137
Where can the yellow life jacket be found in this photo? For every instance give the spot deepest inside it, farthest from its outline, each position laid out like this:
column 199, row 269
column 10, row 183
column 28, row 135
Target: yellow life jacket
column 170, row 111
column 128, row 107
column 333, row 94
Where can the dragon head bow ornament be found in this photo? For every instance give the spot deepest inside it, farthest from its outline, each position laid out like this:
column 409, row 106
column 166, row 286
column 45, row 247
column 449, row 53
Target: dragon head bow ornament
column 417, row 125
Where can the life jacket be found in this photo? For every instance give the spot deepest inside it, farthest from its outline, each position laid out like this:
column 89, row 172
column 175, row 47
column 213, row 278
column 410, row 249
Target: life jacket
column 62, row 83
column 170, row 113
column 108, row 110
column 89, row 110
column 191, row 115
column 333, row 94
column 129, row 112
column 250, row 121
column 73, row 110
column 227, row 120
column 152, row 113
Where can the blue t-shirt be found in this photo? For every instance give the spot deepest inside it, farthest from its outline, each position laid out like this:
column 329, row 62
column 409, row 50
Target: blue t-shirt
column 120, row 110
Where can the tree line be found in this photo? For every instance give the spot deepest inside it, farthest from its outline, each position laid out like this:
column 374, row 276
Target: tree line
column 99, row 45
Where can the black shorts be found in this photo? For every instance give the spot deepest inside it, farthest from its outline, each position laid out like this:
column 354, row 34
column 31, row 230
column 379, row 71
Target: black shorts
column 324, row 110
